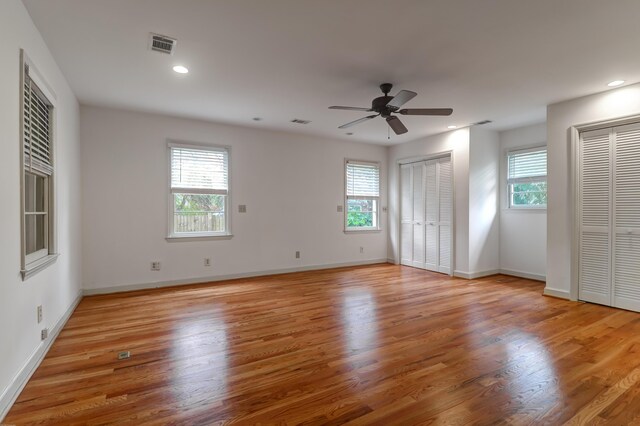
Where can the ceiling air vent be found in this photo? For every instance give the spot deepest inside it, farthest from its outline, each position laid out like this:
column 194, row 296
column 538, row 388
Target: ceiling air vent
column 480, row 123
column 298, row 121
column 162, row 44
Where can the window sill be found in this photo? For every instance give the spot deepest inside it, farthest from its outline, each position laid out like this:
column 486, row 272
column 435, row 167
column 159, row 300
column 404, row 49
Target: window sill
column 37, row 266
column 526, row 209
column 187, row 238
column 362, row 231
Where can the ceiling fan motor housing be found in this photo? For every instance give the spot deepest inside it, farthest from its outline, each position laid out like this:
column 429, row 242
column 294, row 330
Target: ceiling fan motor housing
column 379, row 105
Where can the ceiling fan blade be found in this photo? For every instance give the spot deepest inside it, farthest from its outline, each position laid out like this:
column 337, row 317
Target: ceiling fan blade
column 358, row 121
column 426, row 111
column 401, row 98
column 396, row 125
column 350, row 108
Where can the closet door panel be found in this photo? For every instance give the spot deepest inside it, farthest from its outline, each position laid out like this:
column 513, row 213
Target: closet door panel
column 626, row 253
column 445, row 212
column 406, row 215
column 418, row 181
column 595, row 245
column 431, row 216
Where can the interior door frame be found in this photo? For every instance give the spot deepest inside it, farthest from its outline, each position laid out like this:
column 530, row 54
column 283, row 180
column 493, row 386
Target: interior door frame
column 574, row 188
column 398, row 222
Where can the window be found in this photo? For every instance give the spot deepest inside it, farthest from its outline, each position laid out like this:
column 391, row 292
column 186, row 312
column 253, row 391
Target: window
column 362, row 196
column 199, row 191
column 37, row 176
column 527, row 178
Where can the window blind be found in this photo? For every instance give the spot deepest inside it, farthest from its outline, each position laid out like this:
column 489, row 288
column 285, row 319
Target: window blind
column 37, row 128
column 527, row 166
column 363, row 180
column 199, row 171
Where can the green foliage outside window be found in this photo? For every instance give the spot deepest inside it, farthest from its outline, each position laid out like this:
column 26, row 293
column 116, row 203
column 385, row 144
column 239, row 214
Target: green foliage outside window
column 529, row 194
column 360, row 213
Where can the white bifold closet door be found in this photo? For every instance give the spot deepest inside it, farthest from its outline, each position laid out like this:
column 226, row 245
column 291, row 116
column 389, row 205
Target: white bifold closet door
column 609, row 255
column 426, row 210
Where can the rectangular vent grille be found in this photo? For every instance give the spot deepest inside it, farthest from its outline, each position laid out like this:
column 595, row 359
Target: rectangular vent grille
column 162, row 44
column 480, row 123
column 298, row 121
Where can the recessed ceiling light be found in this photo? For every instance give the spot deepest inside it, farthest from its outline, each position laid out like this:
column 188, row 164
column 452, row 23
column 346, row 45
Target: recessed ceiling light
column 615, row 83
column 452, row 127
column 180, row 69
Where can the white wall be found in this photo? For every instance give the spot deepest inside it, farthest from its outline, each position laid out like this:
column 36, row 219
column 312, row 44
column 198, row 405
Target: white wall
column 560, row 117
column 484, row 218
column 458, row 142
column 57, row 287
column 523, row 233
column 291, row 184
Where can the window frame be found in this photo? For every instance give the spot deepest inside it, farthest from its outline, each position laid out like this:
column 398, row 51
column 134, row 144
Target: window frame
column 378, row 208
column 173, row 236
column 32, row 263
column 532, row 179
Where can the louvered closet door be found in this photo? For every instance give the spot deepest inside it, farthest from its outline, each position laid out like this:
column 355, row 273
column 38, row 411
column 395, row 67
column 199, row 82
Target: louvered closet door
column 406, row 215
column 626, row 216
column 445, row 212
column 418, row 182
column 431, row 216
column 595, row 239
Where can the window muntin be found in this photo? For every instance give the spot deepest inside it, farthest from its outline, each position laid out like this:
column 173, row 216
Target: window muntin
column 527, row 178
column 362, row 196
column 199, row 191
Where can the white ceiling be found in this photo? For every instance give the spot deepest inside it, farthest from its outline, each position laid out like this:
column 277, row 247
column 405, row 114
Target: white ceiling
column 502, row 60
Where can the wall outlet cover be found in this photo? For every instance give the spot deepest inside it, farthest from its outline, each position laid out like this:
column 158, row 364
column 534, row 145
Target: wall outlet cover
column 39, row 314
column 44, row 334
column 242, row 208
column 155, row 266
column 340, row 209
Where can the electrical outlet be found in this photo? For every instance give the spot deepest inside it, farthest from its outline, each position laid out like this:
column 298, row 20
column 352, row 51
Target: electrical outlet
column 39, row 314
column 361, row 249
column 44, row 334
column 207, row 261
column 242, row 208
column 297, row 255
column 384, row 209
column 339, row 209
column 155, row 266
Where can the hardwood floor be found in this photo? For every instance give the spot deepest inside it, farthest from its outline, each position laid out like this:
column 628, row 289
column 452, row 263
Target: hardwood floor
column 379, row 344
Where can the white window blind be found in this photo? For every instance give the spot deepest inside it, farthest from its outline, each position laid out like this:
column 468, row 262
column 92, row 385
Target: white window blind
column 527, row 166
column 363, row 180
column 37, row 128
column 199, row 170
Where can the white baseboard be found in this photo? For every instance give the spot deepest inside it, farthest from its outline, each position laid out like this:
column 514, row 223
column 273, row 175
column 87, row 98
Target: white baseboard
column 522, row 274
column 474, row 275
column 200, row 280
column 562, row 294
column 18, row 383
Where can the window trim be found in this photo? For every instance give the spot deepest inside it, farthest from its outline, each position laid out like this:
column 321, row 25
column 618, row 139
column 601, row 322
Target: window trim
column 534, row 179
column 30, row 264
column 197, row 236
column 368, row 229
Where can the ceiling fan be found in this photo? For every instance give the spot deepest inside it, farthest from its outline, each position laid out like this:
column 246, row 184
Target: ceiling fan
column 387, row 105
